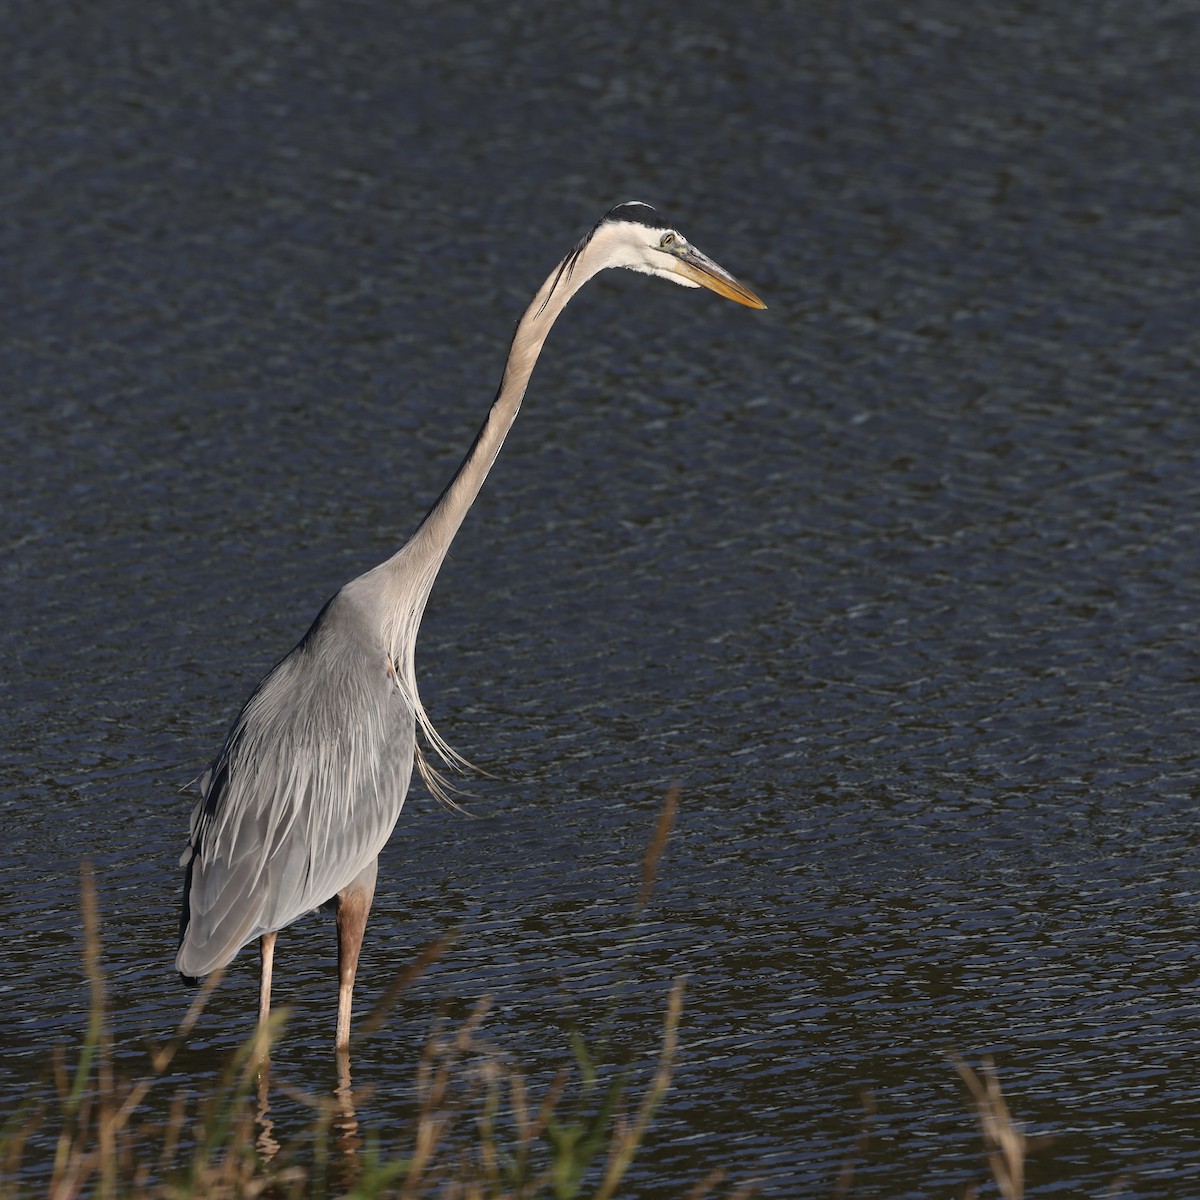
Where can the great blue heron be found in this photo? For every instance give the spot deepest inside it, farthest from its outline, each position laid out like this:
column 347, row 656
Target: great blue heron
column 311, row 777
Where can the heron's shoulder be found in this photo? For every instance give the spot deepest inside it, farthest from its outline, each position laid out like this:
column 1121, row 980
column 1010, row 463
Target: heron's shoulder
column 345, row 631
column 339, row 667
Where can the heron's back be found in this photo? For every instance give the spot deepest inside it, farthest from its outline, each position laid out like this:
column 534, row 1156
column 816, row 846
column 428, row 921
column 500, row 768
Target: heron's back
column 305, row 792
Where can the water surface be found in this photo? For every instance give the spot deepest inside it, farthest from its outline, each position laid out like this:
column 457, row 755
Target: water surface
column 898, row 579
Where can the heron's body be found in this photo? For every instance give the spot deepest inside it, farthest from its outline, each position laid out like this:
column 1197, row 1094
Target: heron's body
column 302, row 796
column 312, row 775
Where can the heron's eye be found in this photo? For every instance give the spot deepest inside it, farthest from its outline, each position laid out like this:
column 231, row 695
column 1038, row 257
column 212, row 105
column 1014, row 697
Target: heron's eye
column 668, row 239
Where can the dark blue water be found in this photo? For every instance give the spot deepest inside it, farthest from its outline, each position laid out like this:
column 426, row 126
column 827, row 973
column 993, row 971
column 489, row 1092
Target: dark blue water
column 899, row 579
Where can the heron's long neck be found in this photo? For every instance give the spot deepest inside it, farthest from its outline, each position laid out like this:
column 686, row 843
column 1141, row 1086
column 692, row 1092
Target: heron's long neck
column 430, row 543
column 401, row 585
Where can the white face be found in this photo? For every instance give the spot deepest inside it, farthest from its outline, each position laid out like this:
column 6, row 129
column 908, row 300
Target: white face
column 661, row 251
column 643, row 248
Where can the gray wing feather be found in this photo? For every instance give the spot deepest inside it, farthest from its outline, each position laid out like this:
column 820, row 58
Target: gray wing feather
column 305, row 792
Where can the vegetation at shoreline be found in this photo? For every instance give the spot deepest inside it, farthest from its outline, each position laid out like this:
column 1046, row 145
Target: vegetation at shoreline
column 480, row 1131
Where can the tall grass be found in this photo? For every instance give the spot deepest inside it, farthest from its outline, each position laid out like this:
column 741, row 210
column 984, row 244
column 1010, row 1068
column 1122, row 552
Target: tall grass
column 481, row 1130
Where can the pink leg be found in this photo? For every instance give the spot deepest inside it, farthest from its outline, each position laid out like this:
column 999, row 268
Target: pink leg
column 353, row 905
column 266, row 952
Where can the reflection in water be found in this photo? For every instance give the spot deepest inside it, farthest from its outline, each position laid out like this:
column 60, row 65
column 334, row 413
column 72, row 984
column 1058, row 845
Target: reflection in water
column 346, row 1136
column 265, row 1142
column 340, row 1118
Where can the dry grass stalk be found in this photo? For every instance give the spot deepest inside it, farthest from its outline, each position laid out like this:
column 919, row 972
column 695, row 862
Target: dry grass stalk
column 405, row 977
column 477, row 1133
column 1003, row 1139
column 436, row 1075
column 666, row 819
column 627, row 1139
column 845, row 1178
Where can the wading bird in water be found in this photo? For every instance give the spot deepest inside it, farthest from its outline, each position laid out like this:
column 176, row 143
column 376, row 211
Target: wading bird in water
column 309, row 782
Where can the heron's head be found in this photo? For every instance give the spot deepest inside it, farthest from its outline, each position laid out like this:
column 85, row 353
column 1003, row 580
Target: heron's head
column 634, row 236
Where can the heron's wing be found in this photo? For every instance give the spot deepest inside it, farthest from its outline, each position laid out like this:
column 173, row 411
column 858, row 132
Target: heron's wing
column 303, row 796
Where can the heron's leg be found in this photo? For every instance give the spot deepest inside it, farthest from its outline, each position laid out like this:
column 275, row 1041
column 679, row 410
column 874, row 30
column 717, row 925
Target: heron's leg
column 267, row 957
column 353, row 905
column 266, row 953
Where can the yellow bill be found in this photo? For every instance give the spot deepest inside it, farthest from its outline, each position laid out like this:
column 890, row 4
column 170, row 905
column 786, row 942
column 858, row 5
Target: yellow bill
column 701, row 270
